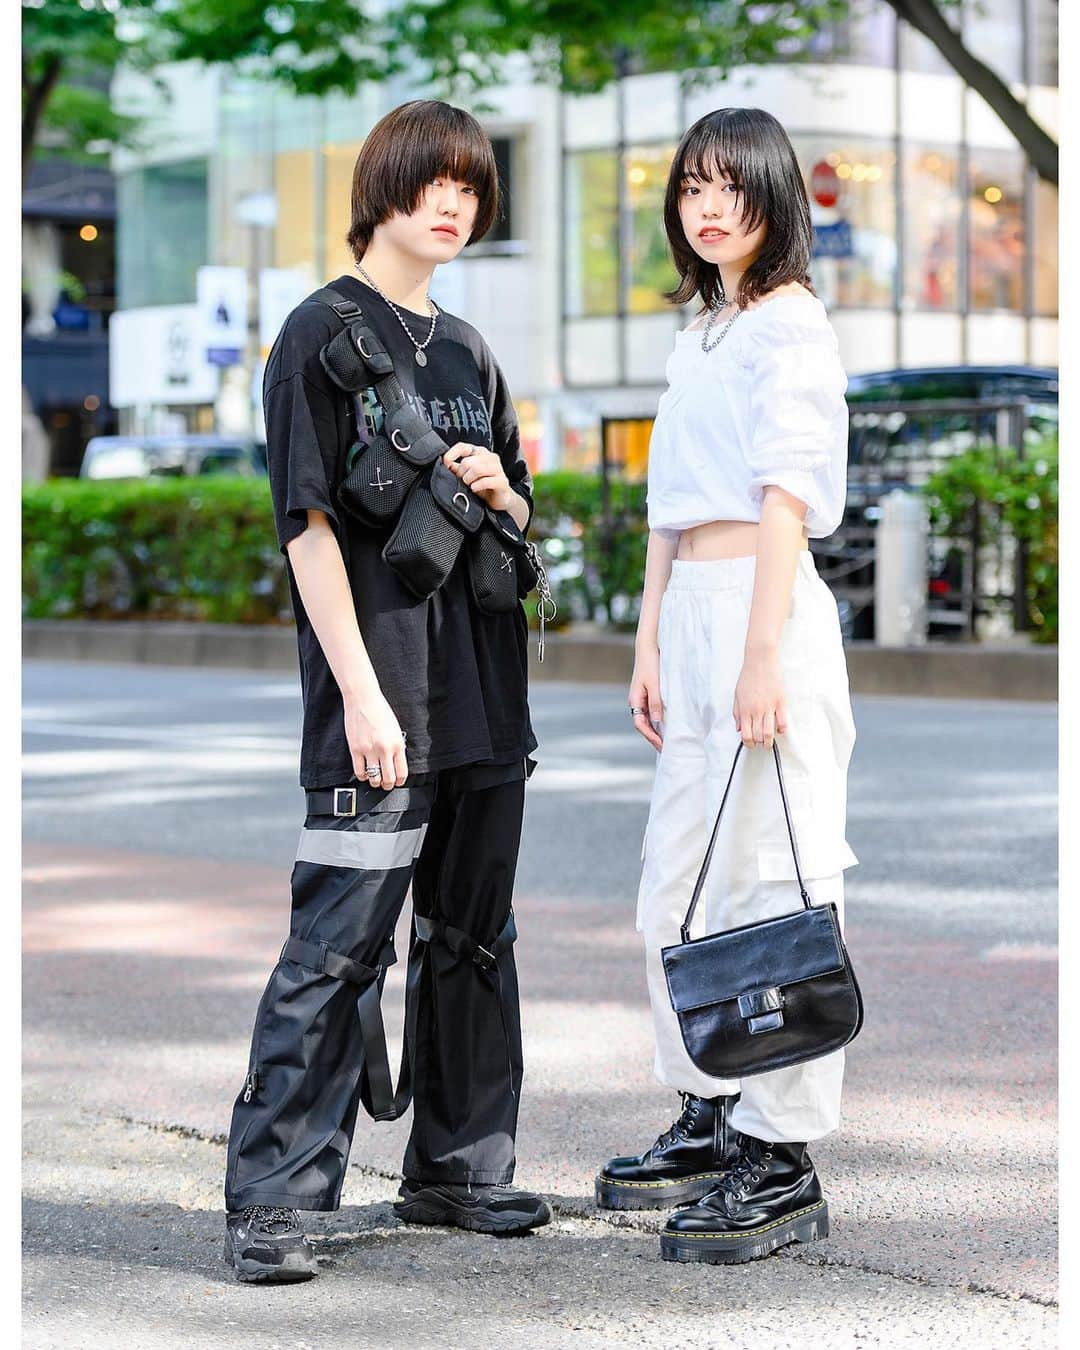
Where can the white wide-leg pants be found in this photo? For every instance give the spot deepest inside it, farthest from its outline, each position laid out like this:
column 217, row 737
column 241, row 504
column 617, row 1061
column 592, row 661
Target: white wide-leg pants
column 701, row 635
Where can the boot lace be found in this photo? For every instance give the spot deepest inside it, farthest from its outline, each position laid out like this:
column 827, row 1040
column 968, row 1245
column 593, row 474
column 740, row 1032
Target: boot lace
column 752, row 1163
column 273, row 1219
column 679, row 1128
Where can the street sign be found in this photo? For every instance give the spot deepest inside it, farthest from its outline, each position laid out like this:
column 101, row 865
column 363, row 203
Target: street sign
column 156, row 358
column 834, row 241
column 824, row 183
column 221, row 294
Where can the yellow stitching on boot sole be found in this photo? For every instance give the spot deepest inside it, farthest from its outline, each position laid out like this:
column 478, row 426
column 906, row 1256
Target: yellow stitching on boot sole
column 675, row 1181
column 747, row 1232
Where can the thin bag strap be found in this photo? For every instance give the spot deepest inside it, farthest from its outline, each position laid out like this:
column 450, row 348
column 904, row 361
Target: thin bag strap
column 700, row 883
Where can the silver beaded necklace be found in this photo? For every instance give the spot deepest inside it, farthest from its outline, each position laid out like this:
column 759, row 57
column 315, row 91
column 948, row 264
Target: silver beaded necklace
column 421, row 356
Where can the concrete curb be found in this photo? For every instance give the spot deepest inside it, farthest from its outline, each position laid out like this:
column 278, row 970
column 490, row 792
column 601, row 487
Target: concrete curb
column 938, row 670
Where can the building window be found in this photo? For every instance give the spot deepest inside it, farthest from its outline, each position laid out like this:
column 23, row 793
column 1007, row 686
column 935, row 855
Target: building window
column 994, row 32
column 651, row 271
column 996, row 207
column 505, row 226
column 931, row 228
column 866, row 37
column 161, row 233
column 852, row 191
column 592, row 233
column 338, row 164
column 1044, row 41
column 1046, row 248
column 295, row 243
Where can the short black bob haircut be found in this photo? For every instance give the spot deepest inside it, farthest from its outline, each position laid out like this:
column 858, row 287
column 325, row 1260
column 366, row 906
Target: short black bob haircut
column 404, row 151
column 751, row 149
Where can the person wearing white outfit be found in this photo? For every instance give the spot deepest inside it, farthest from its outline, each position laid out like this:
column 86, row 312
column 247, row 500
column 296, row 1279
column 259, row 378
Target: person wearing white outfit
column 739, row 639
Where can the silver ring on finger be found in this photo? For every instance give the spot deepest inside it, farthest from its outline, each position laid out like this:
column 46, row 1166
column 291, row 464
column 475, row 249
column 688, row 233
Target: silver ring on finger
column 374, row 771
column 637, row 712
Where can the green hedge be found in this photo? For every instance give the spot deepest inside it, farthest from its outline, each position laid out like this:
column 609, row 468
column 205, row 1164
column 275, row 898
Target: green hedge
column 170, row 548
column 1000, row 494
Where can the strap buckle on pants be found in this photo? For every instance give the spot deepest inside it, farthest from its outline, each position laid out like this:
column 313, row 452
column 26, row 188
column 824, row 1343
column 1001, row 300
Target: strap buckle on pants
column 386, row 1103
column 467, row 948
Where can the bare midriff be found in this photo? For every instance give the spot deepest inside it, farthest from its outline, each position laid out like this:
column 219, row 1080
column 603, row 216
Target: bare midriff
column 720, row 539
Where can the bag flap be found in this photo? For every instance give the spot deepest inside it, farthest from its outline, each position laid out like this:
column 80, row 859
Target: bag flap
column 455, row 499
column 506, row 527
column 764, row 955
column 413, row 437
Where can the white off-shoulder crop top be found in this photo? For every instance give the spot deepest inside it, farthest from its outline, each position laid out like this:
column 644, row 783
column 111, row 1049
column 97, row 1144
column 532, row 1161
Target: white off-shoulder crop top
column 766, row 405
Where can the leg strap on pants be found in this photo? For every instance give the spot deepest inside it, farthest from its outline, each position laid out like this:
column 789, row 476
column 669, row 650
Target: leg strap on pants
column 386, row 1103
column 468, row 949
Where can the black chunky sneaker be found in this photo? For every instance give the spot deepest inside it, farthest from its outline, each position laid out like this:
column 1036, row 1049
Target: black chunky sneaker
column 265, row 1244
column 480, row 1209
column 683, row 1164
column 769, row 1198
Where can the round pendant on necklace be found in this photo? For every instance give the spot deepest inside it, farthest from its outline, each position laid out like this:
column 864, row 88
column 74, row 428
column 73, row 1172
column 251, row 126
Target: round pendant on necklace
column 421, row 359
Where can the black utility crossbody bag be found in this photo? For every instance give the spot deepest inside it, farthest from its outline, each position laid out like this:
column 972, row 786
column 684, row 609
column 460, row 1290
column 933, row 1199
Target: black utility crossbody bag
column 398, row 480
column 766, row 995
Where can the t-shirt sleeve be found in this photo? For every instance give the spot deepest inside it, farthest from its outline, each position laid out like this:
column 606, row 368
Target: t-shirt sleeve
column 301, row 453
column 505, row 431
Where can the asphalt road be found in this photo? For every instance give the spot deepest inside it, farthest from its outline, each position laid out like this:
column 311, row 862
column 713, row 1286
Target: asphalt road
column 161, row 813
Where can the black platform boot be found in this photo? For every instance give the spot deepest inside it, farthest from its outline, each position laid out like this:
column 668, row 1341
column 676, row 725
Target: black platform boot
column 769, row 1198
column 684, row 1163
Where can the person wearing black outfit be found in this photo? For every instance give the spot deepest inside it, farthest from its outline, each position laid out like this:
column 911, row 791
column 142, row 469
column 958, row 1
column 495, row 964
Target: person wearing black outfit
column 415, row 751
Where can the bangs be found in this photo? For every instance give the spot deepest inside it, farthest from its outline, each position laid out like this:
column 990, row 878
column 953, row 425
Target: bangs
column 405, row 150
column 720, row 148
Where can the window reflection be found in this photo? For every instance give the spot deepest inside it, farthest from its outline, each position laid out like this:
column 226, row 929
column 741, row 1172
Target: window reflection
column 651, row 269
column 1046, row 248
column 592, row 235
column 996, row 207
column 931, row 228
column 852, row 191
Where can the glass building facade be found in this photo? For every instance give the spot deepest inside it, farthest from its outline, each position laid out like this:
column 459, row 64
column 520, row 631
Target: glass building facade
column 937, row 244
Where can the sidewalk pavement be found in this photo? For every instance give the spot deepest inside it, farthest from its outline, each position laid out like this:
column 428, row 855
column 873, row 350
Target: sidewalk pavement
column 141, row 977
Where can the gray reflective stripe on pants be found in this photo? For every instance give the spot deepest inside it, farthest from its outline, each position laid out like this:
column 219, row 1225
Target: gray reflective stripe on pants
column 360, row 848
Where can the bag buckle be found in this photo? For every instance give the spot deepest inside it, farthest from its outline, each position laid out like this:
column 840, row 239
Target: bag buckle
column 350, row 810
column 484, row 958
column 761, row 1010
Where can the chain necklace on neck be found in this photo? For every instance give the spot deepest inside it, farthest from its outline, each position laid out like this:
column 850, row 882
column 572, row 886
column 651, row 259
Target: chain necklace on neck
column 714, row 314
column 421, row 356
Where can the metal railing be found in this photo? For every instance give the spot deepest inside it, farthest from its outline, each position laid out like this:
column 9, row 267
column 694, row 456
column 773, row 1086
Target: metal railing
column 899, row 445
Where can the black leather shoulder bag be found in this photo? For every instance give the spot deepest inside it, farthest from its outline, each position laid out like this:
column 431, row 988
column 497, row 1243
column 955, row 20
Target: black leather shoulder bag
column 768, row 994
column 398, row 480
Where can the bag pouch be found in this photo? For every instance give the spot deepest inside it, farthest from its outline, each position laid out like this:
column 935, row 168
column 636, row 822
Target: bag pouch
column 377, row 484
column 425, row 542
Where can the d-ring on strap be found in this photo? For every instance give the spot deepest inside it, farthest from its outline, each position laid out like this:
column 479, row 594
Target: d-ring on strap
column 386, row 1104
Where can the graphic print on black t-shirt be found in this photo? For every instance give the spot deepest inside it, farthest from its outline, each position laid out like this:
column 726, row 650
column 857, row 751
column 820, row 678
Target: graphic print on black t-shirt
column 460, row 417
column 457, row 679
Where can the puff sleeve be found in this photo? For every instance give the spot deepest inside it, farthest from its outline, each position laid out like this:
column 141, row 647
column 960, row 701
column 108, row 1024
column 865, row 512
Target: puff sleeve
column 798, row 419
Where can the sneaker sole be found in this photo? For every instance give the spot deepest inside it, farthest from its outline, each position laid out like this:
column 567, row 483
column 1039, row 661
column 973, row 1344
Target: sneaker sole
column 721, row 1249
column 421, row 1211
column 291, row 1271
column 653, row 1194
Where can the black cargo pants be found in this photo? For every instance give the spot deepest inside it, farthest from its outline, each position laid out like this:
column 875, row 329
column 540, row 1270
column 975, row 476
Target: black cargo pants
column 318, row 1048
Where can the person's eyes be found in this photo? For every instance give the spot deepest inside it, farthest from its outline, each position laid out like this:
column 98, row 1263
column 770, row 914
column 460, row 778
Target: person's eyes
column 690, row 187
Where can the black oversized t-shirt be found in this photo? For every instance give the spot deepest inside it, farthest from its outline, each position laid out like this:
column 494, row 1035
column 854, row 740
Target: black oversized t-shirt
column 455, row 677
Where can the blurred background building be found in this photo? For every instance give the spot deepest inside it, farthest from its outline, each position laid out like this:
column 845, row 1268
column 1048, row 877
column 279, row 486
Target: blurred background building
column 936, row 241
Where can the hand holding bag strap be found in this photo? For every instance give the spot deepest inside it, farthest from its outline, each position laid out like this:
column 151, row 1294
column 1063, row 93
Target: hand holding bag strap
column 700, row 883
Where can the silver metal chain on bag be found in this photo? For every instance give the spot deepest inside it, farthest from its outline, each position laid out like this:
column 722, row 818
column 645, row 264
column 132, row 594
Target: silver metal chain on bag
column 421, row 355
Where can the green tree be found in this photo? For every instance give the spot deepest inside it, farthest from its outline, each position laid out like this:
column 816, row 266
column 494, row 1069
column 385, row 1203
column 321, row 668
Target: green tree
column 320, row 46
